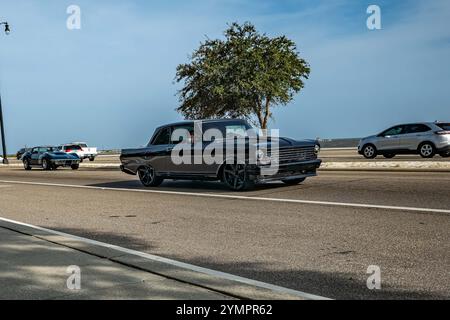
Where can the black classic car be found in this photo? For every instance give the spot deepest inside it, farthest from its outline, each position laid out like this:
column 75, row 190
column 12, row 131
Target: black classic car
column 49, row 158
column 284, row 159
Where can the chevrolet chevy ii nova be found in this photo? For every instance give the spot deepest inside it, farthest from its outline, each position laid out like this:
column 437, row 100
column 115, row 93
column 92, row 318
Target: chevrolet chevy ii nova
column 295, row 160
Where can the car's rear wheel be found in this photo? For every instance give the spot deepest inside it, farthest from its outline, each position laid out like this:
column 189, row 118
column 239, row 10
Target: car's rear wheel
column 369, row 151
column 91, row 158
column 75, row 166
column 26, row 164
column 236, row 178
column 292, row 182
column 389, row 155
column 427, row 150
column 148, row 177
column 46, row 164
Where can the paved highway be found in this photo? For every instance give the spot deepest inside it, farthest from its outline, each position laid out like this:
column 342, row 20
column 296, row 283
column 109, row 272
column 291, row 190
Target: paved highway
column 327, row 155
column 318, row 237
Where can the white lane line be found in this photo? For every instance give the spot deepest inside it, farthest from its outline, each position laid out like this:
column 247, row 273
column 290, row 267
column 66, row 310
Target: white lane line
column 236, row 197
column 180, row 264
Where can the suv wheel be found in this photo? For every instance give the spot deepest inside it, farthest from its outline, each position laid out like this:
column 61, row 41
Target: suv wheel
column 369, row 151
column 427, row 150
column 26, row 164
column 236, row 178
column 291, row 182
column 445, row 155
column 148, row 177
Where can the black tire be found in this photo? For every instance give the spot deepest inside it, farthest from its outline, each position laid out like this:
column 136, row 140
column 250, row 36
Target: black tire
column 445, row 154
column 389, row 155
column 427, row 150
column 369, row 151
column 91, row 158
column 46, row 165
column 26, row 164
column 148, row 176
column 75, row 166
column 292, row 182
column 236, row 178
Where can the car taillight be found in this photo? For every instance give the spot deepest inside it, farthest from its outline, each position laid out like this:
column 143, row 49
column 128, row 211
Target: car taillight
column 442, row 132
column 69, row 150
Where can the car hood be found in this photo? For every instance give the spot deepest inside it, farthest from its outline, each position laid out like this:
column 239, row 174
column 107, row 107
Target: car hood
column 61, row 156
column 288, row 142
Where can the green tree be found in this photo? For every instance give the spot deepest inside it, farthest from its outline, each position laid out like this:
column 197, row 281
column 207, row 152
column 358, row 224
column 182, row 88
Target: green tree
column 244, row 75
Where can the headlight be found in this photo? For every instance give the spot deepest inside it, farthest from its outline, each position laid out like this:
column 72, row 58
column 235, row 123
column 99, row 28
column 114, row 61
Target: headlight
column 316, row 149
column 262, row 157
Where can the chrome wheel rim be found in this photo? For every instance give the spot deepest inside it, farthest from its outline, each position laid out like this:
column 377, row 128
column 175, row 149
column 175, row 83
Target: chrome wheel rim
column 369, row 151
column 44, row 164
column 146, row 174
column 426, row 150
column 25, row 164
column 234, row 175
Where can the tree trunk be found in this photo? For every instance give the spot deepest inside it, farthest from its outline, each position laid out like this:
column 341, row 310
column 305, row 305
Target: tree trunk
column 266, row 114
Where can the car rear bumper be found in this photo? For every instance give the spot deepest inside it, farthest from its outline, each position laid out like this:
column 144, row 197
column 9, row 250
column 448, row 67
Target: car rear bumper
column 287, row 171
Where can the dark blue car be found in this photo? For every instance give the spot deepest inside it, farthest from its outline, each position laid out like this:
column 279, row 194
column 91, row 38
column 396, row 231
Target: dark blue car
column 49, row 158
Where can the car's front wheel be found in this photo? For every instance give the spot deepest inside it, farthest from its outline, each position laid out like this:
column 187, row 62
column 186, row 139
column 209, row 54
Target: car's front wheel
column 46, row 164
column 75, row 166
column 91, row 158
column 148, row 177
column 236, row 178
column 369, row 151
column 427, row 150
column 292, row 182
column 26, row 164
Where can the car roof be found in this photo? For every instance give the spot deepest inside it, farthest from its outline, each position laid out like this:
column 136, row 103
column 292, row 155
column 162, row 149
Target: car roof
column 185, row 122
column 43, row 147
column 414, row 123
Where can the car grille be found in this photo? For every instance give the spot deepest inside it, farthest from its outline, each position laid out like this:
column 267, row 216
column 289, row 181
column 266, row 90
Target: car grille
column 295, row 154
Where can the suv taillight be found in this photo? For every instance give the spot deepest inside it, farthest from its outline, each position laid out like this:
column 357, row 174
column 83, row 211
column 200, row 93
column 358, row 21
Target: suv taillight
column 69, row 150
column 442, row 132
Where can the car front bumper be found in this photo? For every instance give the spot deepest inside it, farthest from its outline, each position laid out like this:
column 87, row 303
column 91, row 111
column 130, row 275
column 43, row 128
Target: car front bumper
column 65, row 162
column 289, row 171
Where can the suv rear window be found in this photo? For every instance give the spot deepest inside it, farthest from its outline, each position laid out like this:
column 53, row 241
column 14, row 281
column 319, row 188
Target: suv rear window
column 72, row 147
column 444, row 126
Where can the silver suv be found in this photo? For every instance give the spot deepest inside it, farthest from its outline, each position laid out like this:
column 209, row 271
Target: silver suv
column 426, row 139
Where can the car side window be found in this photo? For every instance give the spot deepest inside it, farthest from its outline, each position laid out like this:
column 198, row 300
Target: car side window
column 394, row 131
column 186, row 129
column 163, row 137
column 417, row 128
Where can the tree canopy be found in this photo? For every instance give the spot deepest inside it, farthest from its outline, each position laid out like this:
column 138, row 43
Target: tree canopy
column 242, row 76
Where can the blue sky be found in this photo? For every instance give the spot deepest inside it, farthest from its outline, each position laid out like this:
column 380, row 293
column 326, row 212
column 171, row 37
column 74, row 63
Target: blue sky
column 112, row 82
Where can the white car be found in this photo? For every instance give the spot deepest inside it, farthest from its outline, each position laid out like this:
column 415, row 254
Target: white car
column 80, row 149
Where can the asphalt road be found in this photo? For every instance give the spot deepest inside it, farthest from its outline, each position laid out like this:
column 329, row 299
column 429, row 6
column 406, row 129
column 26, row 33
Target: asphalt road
column 327, row 155
column 323, row 249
